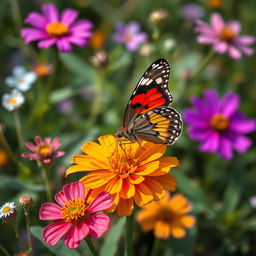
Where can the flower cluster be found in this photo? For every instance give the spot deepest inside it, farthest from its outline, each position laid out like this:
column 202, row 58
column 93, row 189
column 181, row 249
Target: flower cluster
column 131, row 173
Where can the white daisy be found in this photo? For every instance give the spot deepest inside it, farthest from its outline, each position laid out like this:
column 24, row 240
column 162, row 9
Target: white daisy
column 7, row 210
column 13, row 100
column 21, row 79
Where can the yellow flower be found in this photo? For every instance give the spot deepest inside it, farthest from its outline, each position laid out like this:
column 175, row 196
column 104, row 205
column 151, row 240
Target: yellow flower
column 167, row 217
column 130, row 172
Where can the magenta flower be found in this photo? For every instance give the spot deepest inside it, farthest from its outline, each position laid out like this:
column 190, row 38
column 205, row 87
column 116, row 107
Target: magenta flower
column 50, row 28
column 44, row 150
column 77, row 218
column 191, row 12
column 224, row 37
column 130, row 35
column 218, row 124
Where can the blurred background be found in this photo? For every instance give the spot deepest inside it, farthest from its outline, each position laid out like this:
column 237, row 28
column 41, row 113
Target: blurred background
column 83, row 95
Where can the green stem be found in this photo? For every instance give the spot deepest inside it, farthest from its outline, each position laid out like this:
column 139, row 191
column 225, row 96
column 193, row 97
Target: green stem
column 91, row 246
column 200, row 69
column 4, row 251
column 16, row 15
column 156, row 246
column 17, row 234
column 96, row 105
column 30, row 248
column 18, row 128
column 44, row 172
column 129, row 235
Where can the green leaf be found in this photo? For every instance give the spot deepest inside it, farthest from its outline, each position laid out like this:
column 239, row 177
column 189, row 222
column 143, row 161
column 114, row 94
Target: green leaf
column 231, row 198
column 110, row 244
column 13, row 183
column 59, row 249
column 78, row 66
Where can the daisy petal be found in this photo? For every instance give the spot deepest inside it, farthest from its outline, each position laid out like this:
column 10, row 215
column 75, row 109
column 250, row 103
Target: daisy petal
column 98, row 224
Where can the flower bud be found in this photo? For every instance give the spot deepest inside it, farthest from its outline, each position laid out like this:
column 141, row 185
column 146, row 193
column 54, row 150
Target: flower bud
column 158, row 16
column 26, row 201
column 100, row 59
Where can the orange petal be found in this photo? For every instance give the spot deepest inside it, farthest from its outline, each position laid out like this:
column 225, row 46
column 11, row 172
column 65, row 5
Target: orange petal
column 180, row 204
column 142, row 195
column 93, row 180
column 135, row 179
column 89, row 163
column 125, row 207
column 168, row 181
column 156, row 188
column 75, row 168
column 187, row 221
column 165, row 163
column 128, row 190
column 178, row 232
column 147, row 217
column 115, row 198
column 114, row 186
column 94, row 192
column 147, row 169
column 95, row 150
column 109, row 144
column 149, row 153
column 162, row 230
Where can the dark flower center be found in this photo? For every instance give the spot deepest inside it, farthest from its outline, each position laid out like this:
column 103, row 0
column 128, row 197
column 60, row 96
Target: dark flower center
column 219, row 122
column 227, row 34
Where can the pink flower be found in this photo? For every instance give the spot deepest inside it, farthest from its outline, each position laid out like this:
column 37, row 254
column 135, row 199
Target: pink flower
column 44, row 150
column 224, row 37
column 77, row 218
column 50, row 28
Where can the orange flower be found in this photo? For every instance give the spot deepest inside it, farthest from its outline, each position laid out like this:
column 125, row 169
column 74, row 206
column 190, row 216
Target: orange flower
column 129, row 172
column 167, row 217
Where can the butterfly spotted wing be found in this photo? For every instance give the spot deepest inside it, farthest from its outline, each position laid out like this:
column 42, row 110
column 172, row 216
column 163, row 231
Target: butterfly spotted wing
column 147, row 115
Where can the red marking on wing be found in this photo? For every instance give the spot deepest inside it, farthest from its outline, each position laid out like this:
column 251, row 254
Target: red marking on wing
column 147, row 101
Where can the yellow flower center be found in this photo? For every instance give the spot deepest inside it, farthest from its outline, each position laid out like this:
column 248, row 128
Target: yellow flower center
column 166, row 214
column 57, row 29
column 227, row 34
column 44, row 149
column 13, row 101
column 74, row 210
column 128, row 37
column 122, row 162
column 219, row 122
column 6, row 209
column 42, row 70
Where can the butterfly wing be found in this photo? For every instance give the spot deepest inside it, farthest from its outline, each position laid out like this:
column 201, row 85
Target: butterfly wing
column 161, row 125
column 151, row 92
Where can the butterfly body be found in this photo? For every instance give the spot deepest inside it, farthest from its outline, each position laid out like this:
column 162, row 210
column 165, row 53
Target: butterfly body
column 147, row 115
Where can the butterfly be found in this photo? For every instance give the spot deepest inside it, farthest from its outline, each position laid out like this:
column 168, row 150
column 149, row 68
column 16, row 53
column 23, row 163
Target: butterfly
column 147, row 115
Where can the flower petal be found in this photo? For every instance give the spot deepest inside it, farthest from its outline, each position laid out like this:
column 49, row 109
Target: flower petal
column 50, row 211
column 96, row 179
column 234, row 52
column 180, row 204
column 115, row 185
column 53, row 232
column 36, row 20
column 229, row 104
column 168, row 181
column 125, row 207
column 50, row 12
column 225, row 148
column 61, row 198
column 74, row 190
column 240, row 124
column 96, row 151
column 156, row 188
column 69, row 16
column 143, row 195
column 75, row 235
column 217, row 22
column 128, row 190
column 178, row 232
column 162, row 229
column 98, row 224
column 187, row 221
column 101, row 202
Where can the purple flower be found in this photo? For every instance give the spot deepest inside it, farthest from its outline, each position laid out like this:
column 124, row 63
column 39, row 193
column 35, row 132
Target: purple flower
column 253, row 202
column 218, row 124
column 44, row 150
column 65, row 106
column 130, row 35
column 224, row 37
column 191, row 12
column 50, row 28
